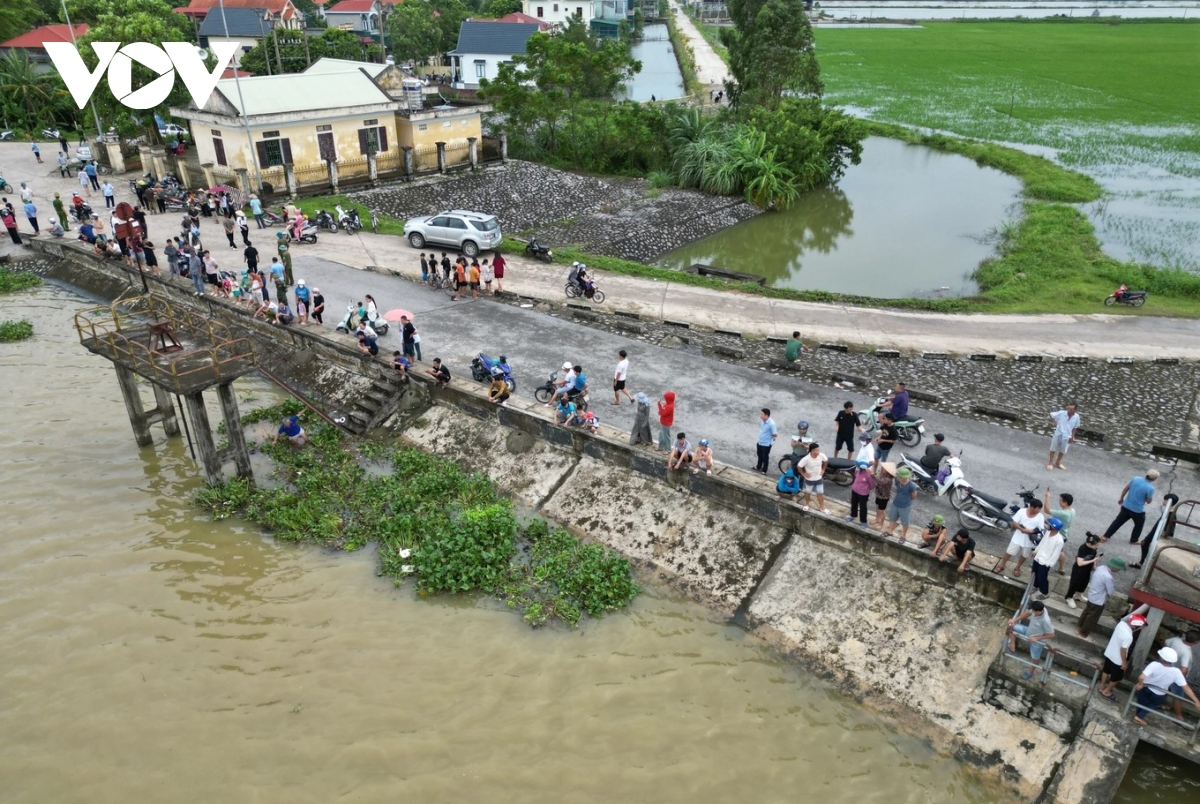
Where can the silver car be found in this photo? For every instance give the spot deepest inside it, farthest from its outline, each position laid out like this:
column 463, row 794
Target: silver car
column 469, row 232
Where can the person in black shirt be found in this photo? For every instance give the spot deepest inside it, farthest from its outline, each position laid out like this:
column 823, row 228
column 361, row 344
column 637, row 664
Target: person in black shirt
column 961, row 549
column 934, row 453
column 439, row 372
column 445, row 265
column 847, row 422
column 250, row 255
column 888, row 435
column 318, row 306
column 1081, row 570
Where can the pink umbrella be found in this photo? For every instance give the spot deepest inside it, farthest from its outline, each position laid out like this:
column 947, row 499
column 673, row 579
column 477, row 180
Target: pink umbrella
column 395, row 315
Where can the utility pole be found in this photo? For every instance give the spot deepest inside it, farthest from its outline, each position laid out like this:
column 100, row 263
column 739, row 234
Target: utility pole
column 275, row 36
column 71, row 29
column 242, row 102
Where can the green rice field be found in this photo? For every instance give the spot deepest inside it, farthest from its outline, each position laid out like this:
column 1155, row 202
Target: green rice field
column 1117, row 101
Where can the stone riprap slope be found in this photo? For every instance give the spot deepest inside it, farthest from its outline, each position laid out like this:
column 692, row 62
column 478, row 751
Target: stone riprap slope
column 612, row 216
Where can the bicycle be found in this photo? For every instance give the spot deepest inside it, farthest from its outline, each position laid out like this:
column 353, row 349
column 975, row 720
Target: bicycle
column 374, row 222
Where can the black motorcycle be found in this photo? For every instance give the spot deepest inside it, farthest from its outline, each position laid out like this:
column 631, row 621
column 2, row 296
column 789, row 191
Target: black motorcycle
column 546, row 391
column 483, row 367
column 323, row 220
column 1123, row 295
column 985, row 511
column 539, row 252
column 350, row 221
column 837, row 470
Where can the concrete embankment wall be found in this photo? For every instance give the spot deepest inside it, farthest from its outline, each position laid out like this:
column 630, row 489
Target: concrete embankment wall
column 903, row 633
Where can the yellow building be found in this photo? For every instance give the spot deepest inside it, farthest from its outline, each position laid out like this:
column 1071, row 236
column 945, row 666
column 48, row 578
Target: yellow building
column 336, row 110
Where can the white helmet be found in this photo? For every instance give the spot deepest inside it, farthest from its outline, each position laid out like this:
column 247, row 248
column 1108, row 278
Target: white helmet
column 567, row 366
column 300, row 282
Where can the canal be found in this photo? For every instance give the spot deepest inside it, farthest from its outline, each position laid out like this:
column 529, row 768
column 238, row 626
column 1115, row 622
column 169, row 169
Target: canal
column 151, row 654
column 907, row 221
column 659, row 78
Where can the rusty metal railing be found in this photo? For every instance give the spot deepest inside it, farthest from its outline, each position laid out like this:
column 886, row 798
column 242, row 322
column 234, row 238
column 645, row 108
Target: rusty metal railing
column 121, row 332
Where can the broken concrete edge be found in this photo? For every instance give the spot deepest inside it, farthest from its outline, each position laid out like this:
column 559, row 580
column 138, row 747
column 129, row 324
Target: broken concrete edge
column 999, row 413
column 1178, row 453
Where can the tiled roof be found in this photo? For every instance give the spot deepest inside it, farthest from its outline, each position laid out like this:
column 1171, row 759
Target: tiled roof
column 351, row 7
column 245, row 22
column 517, row 16
column 46, row 33
column 498, row 38
column 276, row 7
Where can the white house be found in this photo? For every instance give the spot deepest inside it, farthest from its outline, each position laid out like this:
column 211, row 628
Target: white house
column 360, row 16
column 483, row 46
column 245, row 26
column 557, row 13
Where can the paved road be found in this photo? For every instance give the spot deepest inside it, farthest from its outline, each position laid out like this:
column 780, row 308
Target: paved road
column 721, row 402
column 1098, row 336
column 710, row 68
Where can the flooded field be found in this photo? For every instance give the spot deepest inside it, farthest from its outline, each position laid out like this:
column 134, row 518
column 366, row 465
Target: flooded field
column 1124, row 120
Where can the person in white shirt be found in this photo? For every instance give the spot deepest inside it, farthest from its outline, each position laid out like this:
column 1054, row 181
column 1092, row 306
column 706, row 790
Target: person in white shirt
column 1026, row 522
column 812, row 469
column 866, row 452
column 1100, row 589
column 1044, row 557
column 1066, row 422
column 1156, row 681
column 1116, row 655
column 619, row 377
column 1185, row 647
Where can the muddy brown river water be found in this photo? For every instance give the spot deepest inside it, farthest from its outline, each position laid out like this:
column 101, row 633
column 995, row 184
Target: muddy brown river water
column 148, row 654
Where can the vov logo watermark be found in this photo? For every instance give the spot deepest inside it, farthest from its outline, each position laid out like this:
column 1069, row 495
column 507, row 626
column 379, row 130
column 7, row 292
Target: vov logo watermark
column 172, row 57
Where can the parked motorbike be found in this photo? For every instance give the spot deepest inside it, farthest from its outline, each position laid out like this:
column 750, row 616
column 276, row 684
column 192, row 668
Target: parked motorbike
column 590, row 291
column 947, row 481
column 985, row 511
column 349, row 220
column 349, row 322
column 483, row 367
column 837, row 470
column 323, row 220
column 1123, row 295
column 910, row 427
column 51, row 133
column 5, row 186
column 544, row 392
column 308, row 234
column 7, row 134
column 174, row 204
column 539, row 252
column 273, row 219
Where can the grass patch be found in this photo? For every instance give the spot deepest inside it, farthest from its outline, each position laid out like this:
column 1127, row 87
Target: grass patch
column 685, row 58
column 13, row 331
column 450, row 531
column 1050, row 262
column 12, row 281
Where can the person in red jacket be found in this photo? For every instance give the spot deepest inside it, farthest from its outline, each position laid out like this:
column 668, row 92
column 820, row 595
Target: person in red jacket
column 666, row 418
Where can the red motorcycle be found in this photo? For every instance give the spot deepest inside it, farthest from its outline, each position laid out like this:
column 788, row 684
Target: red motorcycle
column 1123, row 295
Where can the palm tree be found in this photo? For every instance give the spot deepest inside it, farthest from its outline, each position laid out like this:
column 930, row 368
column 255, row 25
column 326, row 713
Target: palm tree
column 26, row 96
column 688, row 126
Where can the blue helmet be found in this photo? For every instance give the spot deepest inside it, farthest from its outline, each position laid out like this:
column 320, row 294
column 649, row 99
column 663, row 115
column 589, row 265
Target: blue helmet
column 1055, row 523
column 802, row 425
column 704, row 442
column 864, row 465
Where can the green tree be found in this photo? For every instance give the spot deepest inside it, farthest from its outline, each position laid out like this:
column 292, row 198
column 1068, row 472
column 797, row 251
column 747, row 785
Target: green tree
column 413, row 32
column 29, row 99
column 771, row 53
column 450, row 16
column 15, row 19
column 499, row 8
column 284, row 50
column 131, row 21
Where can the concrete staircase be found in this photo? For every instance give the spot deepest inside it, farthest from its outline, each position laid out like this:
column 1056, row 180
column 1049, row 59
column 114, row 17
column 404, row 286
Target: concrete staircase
column 378, row 402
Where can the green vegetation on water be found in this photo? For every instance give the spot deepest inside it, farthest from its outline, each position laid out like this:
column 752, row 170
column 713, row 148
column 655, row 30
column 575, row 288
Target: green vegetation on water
column 12, row 331
column 450, row 531
column 12, row 281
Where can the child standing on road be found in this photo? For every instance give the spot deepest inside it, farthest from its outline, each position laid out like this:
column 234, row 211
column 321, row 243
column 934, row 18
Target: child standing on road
column 473, row 280
column 666, row 419
column 488, row 275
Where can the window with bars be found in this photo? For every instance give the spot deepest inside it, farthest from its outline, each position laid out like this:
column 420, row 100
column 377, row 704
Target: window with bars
column 272, row 153
column 372, row 140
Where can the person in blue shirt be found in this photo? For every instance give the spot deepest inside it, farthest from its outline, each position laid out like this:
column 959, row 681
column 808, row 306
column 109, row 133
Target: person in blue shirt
column 1135, row 495
column 257, row 211
column 788, row 484
column 31, row 214
column 899, row 402
column 564, row 414
column 580, row 384
column 86, row 232
column 292, row 429
column 767, row 431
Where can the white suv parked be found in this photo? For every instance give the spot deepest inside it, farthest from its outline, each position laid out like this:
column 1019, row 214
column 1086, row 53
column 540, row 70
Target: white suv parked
column 469, row 232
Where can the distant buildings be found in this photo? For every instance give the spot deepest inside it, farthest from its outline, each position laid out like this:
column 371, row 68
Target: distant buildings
column 484, row 45
column 360, row 16
column 31, row 43
column 245, row 26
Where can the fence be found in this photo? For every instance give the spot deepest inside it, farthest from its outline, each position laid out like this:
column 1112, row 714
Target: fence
column 490, row 152
column 352, row 169
column 425, row 159
column 1194, row 728
column 313, row 175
